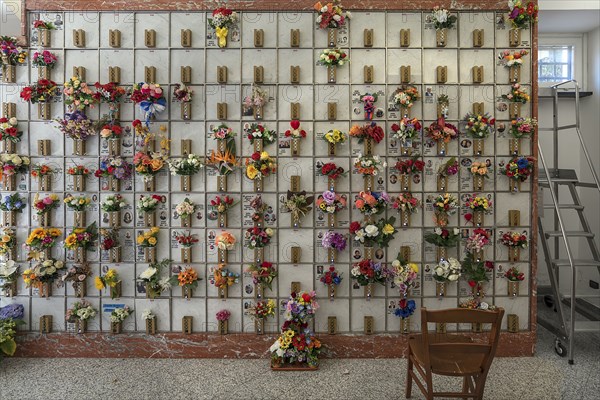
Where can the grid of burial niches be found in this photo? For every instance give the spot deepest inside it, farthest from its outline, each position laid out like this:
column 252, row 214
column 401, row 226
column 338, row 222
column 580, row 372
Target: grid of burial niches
column 313, row 93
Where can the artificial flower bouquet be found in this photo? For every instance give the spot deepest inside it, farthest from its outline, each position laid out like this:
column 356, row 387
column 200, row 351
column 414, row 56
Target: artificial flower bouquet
column 186, row 239
column 331, row 15
column 334, row 240
column 182, row 93
column 370, row 234
column 222, row 204
column 260, row 165
column 149, row 203
column 9, row 273
column 449, row 168
column 223, row 132
column 77, row 274
column 113, row 203
column 478, row 204
column 110, row 94
column 148, row 238
column 444, row 205
column 443, row 237
column 331, row 203
column 520, row 15
column 367, row 272
column 255, row 101
column 222, row 19
column 514, row 241
column 44, row 90
column 258, row 207
column 477, row 241
column 331, row 171
column 39, row 24
column 13, row 164
column 510, row 58
column 224, row 162
column 45, row 205
column 518, row 169
column 479, row 126
column 404, row 275
column 80, row 311
column 225, row 241
column 406, row 204
column 117, row 316
column 11, row 316
column 410, row 166
column 522, row 127
column 44, row 58
column 371, row 131
column 43, row 172
column 369, row 100
column 257, row 131
column 187, row 279
column 372, row 203
column 114, row 168
column 10, row 52
column 407, row 129
column 298, row 205
column 295, row 132
column 405, row 308
column 149, row 164
column 13, row 202
column 406, row 96
column 442, row 132
column 335, row 136
column 223, row 278
column 447, row 270
column 331, row 277
column 9, row 131
column 369, row 165
column 77, row 126
column 150, row 98
column 514, row 275
column 476, row 273
column 263, row 274
column 442, row 19
column 185, row 168
column 478, row 168
column 8, row 242
column 333, row 57
column 78, row 95
column 78, row 170
column 152, row 279
column 516, row 94
column 262, row 310
column 109, row 280
column 82, row 238
column 44, row 272
column 109, row 239
column 259, row 237
column 297, row 345
column 185, row 210
column 40, row 240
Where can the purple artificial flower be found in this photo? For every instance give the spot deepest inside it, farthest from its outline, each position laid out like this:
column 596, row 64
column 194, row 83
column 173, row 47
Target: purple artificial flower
column 14, row 311
column 329, row 196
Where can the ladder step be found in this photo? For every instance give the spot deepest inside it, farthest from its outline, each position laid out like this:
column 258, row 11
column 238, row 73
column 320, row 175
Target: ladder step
column 562, row 176
column 564, row 207
column 578, row 263
column 580, row 296
column 570, row 233
column 587, row 326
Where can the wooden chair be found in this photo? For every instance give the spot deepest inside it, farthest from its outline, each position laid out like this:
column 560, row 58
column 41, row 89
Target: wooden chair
column 452, row 354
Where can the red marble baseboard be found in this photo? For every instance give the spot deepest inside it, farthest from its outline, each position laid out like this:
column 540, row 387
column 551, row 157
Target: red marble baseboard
column 203, row 345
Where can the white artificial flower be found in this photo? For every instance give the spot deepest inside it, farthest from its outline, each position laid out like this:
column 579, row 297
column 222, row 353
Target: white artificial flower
column 438, row 231
column 439, row 271
column 453, row 277
column 148, row 273
column 456, row 231
column 324, row 9
column 395, row 263
column 319, row 18
column 13, row 121
column 269, row 231
column 348, row 15
column 360, row 236
column 337, row 18
column 371, row 230
column 483, row 305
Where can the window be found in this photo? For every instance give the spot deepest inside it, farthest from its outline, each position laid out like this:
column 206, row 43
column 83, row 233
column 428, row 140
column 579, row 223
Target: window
column 555, row 63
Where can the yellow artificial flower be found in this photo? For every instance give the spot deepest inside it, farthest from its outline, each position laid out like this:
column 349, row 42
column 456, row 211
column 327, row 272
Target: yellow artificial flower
column 55, row 232
column 152, row 241
column 99, row 283
column 110, row 273
column 251, row 171
column 5, row 238
column 414, row 267
column 140, row 239
column 71, row 240
column 388, row 229
column 264, row 156
column 154, row 230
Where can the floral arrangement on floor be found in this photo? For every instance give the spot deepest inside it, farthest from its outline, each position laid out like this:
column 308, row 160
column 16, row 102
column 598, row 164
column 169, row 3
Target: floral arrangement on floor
column 404, row 274
column 331, row 15
column 479, row 126
column 370, row 234
column 406, row 202
column 522, row 127
column 405, row 308
column 263, row 273
column 150, row 98
column 514, row 275
column 477, row 240
column 408, row 129
column 447, row 270
column 520, row 15
column 331, row 277
column 13, row 163
column 112, row 203
column 148, row 238
column 186, row 166
column 225, row 241
column 8, row 241
column 331, row 171
column 41, row 239
column 370, row 131
column 78, row 95
column 513, row 58
column 120, row 314
column 371, row 203
column 77, row 273
column 44, row 90
column 115, row 167
column 186, row 208
column 78, row 170
column 182, row 93
column 186, row 239
column 258, row 131
column 46, row 271
column 514, row 239
column 334, row 240
column 81, row 310
column 297, row 343
column 45, row 205
column 442, row 19
column 410, row 166
column 335, row 136
column 11, row 316
column 151, row 276
column 110, row 94
column 263, row 309
column 295, row 132
column 367, row 272
column 148, row 203
column 10, row 52
column 257, row 98
column 443, row 237
column 518, row 168
column 223, row 277
column 109, row 280
column 369, row 165
column 222, row 204
column 449, row 168
column 258, row 237
column 222, row 19
column 298, row 204
column 187, row 278
column 9, row 131
column 444, row 205
column 333, row 57
column 260, row 165
column 516, row 95
column 44, row 58
column 13, row 202
column 406, row 96
column 109, row 239
column 82, row 238
column 441, row 130
column 331, row 203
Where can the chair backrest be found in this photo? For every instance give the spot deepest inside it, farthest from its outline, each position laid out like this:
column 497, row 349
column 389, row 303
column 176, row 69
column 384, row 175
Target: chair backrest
column 444, row 347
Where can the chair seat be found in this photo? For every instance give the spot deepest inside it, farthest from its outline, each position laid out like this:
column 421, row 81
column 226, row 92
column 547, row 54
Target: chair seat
column 467, row 364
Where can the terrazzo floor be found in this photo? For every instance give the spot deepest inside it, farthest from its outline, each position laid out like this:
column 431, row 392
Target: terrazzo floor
column 545, row 376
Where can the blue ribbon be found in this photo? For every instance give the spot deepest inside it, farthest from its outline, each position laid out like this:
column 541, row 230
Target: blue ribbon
column 151, row 108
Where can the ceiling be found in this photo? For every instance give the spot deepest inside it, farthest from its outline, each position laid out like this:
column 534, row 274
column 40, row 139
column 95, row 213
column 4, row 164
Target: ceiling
column 571, row 21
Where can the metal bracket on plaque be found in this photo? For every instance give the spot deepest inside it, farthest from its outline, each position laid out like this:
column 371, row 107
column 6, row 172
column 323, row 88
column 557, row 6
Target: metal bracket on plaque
column 369, row 325
column 478, row 35
column 9, row 110
column 405, row 253
column 332, row 111
column 78, row 38
column 150, row 73
column 259, row 74
column 405, row 74
column 295, row 110
column 442, row 74
column 186, row 74
column 44, row 147
column 295, row 183
column 46, row 324
column 150, row 38
column 114, row 74
column 294, row 74
column 296, row 252
column 331, row 325
column 368, row 73
column 294, row 37
column 477, row 72
column 404, row 37
column 514, row 218
column 187, row 323
column 295, row 287
column 478, row 108
column 222, row 111
column 186, row 146
column 222, row 74
column 79, row 72
column 259, row 37
column 368, row 37
column 186, row 38
column 114, row 38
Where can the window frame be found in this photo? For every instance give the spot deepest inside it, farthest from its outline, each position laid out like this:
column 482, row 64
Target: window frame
column 577, row 41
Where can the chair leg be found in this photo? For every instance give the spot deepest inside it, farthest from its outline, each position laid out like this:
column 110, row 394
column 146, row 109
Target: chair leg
column 429, row 382
column 465, row 386
column 409, row 369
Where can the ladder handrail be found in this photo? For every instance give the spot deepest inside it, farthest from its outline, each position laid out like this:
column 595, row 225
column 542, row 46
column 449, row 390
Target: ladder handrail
column 577, row 129
column 567, row 248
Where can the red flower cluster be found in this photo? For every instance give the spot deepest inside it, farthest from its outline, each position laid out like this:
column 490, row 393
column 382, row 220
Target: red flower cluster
column 186, row 240
column 372, row 131
column 410, row 166
column 256, row 156
column 260, row 128
column 223, row 11
column 366, row 268
column 354, row 227
column 514, row 274
column 43, row 90
column 217, row 201
column 115, row 130
column 11, row 131
column 332, row 171
column 295, row 124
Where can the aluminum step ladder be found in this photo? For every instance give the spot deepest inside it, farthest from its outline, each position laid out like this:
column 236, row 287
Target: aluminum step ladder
column 562, row 254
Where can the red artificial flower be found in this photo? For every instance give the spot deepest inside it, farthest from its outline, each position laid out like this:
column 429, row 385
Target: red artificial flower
column 354, row 227
column 136, row 123
column 395, row 127
column 256, row 156
column 306, row 297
